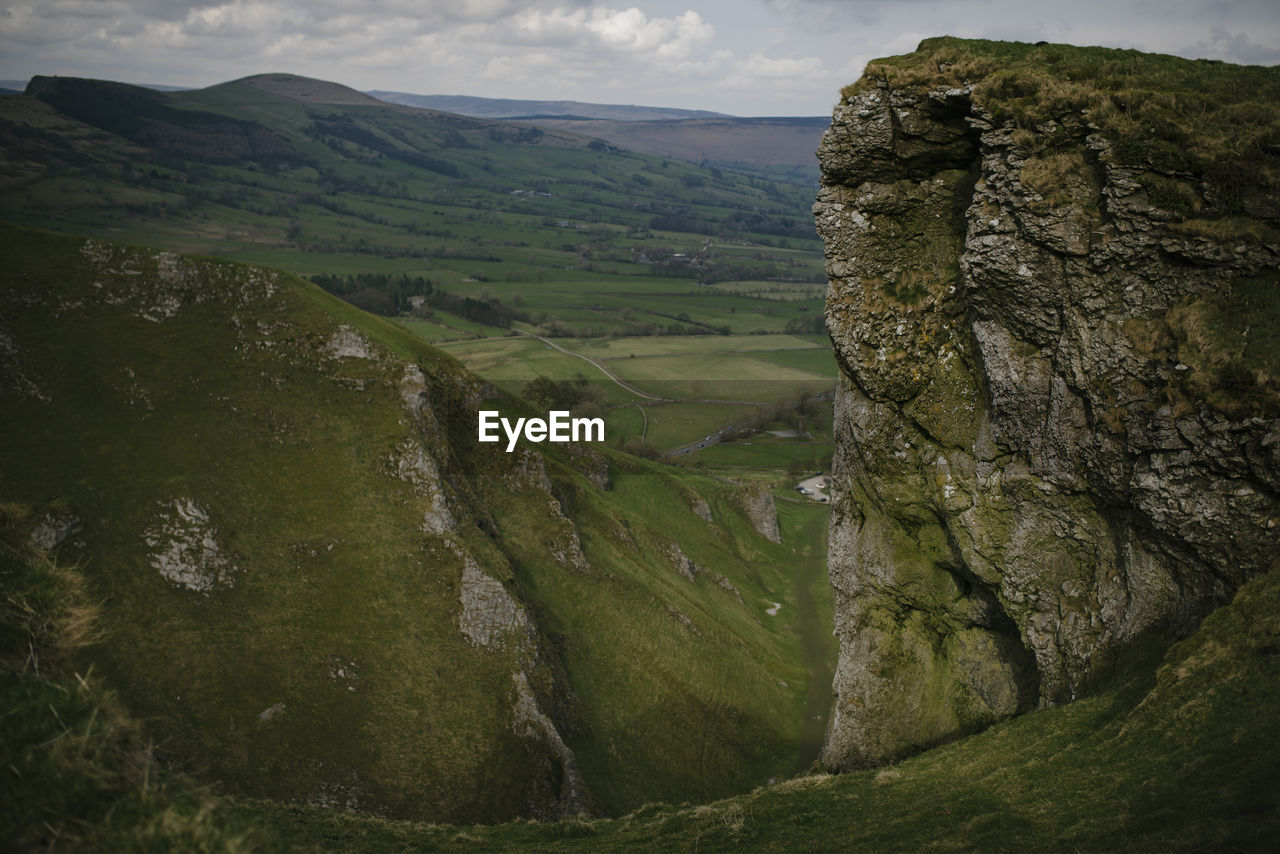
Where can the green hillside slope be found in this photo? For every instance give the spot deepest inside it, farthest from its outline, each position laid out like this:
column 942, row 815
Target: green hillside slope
column 1179, row 756
column 318, row 178
column 317, row 587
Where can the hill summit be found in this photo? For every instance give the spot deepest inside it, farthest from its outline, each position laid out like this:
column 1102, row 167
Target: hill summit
column 305, row 89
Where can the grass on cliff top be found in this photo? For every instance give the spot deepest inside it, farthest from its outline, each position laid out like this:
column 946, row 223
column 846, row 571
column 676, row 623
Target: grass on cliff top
column 1171, row 114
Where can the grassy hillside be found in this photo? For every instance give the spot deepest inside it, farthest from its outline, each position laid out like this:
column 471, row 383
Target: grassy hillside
column 80, row 773
column 778, row 148
column 1179, row 755
column 317, row 587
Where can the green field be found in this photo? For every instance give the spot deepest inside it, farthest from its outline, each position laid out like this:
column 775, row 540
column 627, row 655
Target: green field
column 768, row 455
column 692, row 345
column 710, row 382
column 819, row 361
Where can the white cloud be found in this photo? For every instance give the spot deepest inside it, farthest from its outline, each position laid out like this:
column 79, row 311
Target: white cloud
column 632, row 31
column 904, row 43
column 749, row 57
column 759, row 67
column 1234, row 47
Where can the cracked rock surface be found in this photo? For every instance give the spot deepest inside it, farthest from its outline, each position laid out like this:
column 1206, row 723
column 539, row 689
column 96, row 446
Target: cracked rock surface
column 1033, row 468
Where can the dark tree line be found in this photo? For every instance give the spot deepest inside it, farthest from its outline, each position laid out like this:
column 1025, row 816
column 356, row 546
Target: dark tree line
column 491, row 311
column 389, row 295
column 379, row 293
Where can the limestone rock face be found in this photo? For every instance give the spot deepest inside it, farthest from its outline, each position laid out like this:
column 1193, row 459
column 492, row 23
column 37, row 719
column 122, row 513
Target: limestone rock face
column 1035, row 464
column 763, row 513
column 186, row 549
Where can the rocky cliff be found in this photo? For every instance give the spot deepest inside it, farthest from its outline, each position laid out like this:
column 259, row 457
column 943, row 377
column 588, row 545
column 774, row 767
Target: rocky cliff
column 1054, row 301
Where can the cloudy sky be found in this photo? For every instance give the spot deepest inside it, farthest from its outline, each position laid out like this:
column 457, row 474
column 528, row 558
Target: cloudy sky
column 746, row 57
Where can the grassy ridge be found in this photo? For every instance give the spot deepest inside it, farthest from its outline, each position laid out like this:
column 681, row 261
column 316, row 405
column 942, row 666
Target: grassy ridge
column 322, row 662
column 1213, row 122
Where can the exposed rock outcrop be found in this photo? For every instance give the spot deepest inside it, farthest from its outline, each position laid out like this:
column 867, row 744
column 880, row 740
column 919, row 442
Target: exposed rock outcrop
column 682, row 562
column 186, row 548
column 761, row 511
column 561, row 537
column 347, row 343
column 529, row 721
column 1053, row 437
column 702, row 509
column 490, row 617
column 55, row 528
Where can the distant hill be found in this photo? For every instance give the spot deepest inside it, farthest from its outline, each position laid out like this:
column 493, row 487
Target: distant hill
column 780, row 148
column 296, row 167
column 21, row 85
column 507, row 108
column 305, row 89
column 723, row 141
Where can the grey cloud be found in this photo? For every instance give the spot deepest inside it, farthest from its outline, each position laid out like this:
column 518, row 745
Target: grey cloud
column 1232, row 47
column 635, row 51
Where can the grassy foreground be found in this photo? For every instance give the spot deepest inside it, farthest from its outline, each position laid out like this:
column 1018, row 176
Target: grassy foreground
column 1179, row 756
column 78, row 773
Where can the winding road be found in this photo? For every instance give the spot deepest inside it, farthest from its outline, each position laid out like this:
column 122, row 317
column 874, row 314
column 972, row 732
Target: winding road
column 599, row 366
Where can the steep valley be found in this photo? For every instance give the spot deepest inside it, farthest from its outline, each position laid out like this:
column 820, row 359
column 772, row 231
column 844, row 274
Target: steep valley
column 251, row 541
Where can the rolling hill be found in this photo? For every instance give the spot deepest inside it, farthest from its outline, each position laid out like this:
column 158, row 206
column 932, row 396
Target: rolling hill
column 778, row 148
column 317, row 178
column 508, row 108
